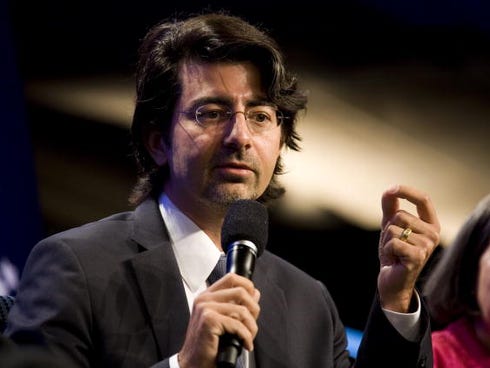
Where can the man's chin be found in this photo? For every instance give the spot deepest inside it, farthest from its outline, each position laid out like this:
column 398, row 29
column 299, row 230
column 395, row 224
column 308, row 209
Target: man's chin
column 228, row 194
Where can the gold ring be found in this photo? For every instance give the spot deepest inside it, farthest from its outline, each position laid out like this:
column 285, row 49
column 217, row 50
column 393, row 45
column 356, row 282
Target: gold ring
column 405, row 233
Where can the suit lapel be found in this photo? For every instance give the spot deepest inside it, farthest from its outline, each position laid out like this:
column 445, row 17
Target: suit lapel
column 158, row 278
column 271, row 341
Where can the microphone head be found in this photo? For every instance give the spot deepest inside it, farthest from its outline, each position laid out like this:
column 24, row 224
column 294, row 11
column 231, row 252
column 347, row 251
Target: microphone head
column 246, row 219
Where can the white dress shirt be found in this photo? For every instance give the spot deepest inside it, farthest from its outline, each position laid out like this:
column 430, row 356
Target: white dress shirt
column 195, row 252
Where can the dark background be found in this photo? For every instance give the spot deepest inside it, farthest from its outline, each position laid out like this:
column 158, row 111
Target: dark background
column 59, row 37
column 64, row 170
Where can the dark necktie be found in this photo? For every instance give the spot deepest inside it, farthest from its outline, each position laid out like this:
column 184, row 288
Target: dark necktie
column 217, row 273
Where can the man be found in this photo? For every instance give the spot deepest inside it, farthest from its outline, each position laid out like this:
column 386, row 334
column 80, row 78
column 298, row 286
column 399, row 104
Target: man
column 215, row 107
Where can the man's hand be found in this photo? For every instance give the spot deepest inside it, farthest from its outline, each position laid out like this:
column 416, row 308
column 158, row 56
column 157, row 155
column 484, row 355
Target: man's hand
column 229, row 305
column 403, row 255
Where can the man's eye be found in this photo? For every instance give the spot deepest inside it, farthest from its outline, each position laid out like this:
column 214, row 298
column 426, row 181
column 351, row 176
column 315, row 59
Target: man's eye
column 212, row 114
column 260, row 117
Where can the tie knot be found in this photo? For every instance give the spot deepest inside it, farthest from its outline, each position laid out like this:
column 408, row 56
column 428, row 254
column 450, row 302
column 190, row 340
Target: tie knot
column 218, row 271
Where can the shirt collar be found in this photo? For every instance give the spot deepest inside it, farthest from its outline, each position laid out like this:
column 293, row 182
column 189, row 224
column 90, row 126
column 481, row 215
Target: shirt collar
column 195, row 252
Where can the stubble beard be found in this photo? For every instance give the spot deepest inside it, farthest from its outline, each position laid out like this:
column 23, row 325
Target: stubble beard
column 223, row 195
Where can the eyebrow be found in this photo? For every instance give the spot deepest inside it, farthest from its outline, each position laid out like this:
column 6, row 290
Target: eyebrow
column 228, row 102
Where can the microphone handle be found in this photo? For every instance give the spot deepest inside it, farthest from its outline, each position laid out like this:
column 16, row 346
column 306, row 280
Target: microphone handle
column 240, row 259
column 229, row 349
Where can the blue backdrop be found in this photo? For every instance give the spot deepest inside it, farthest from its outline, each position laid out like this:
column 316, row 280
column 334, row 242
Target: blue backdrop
column 20, row 221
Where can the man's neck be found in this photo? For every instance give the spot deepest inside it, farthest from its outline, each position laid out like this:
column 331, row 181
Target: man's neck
column 208, row 217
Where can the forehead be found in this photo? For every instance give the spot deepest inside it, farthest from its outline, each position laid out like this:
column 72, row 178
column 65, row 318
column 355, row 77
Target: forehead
column 226, row 79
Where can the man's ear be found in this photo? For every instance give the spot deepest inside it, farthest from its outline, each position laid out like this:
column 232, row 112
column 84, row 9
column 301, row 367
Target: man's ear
column 155, row 144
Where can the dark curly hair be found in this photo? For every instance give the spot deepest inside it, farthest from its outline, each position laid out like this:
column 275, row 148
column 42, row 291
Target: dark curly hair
column 451, row 287
column 208, row 37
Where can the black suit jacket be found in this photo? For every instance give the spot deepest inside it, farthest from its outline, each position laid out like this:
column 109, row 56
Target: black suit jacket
column 109, row 294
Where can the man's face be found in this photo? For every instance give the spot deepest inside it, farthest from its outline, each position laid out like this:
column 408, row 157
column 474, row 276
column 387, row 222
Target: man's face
column 215, row 166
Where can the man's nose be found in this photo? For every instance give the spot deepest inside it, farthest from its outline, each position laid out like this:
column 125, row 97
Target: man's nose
column 238, row 129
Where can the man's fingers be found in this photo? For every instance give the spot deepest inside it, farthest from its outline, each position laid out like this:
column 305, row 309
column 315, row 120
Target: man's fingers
column 390, row 204
column 423, row 203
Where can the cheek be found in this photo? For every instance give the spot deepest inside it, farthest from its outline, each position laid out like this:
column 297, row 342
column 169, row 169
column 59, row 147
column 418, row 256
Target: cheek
column 483, row 293
column 270, row 156
column 190, row 150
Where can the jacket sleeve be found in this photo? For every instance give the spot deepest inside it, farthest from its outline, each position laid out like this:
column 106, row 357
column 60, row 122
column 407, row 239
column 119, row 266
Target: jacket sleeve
column 383, row 346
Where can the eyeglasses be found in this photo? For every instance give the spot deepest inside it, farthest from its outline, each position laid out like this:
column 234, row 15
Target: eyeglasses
column 259, row 119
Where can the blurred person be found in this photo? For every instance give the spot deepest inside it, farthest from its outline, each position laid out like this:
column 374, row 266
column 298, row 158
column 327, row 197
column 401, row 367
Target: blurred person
column 458, row 295
column 215, row 107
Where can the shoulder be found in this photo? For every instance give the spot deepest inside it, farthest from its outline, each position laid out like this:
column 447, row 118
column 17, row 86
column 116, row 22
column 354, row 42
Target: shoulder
column 289, row 277
column 109, row 226
column 113, row 239
column 278, row 267
column 453, row 332
column 144, row 217
column 98, row 245
column 452, row 344
column 288, row 289
column 107, row 236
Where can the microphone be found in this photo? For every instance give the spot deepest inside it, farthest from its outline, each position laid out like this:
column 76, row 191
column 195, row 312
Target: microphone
column 243, row 237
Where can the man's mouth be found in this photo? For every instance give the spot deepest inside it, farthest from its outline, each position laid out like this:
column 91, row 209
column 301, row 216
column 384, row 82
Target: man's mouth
column 234, row 169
